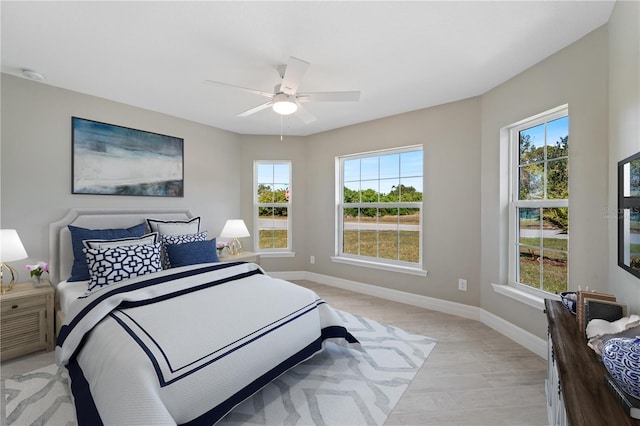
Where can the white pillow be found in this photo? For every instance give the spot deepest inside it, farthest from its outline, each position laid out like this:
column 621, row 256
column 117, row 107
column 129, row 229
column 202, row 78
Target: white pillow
column 151, row 238
column 175, row 227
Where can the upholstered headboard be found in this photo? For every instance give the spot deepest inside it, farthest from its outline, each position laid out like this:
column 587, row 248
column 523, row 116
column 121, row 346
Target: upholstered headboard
column 60, row 251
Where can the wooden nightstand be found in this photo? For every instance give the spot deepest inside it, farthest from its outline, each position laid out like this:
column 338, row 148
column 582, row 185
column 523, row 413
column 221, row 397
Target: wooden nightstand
column 26, row 320
column 247, row 256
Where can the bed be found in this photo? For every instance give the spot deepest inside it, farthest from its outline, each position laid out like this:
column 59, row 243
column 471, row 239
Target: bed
column 182, row 345
column 60, row 250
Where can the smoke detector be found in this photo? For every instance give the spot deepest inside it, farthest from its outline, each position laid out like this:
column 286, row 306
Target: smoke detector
column 32, row 75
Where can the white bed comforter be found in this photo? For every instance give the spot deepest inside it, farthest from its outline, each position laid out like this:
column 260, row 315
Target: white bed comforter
column 185, row 345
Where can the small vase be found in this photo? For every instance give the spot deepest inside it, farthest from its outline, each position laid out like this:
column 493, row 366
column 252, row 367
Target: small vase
column 37, row 279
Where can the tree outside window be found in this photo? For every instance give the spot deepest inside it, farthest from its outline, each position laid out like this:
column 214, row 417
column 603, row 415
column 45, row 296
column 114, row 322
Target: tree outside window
column 380, row 206
column 540, row 202
column 273, row 196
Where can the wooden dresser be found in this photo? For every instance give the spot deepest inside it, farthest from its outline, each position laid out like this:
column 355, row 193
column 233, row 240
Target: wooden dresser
column 576, row 391
column 26, row 320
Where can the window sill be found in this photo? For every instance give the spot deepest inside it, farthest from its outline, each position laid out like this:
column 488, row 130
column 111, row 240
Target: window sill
column 522, row 296
column 383, row 266
column 265, row 254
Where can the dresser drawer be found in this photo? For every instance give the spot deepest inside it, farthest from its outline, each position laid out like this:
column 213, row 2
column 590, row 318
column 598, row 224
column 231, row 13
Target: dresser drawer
column 10, row 307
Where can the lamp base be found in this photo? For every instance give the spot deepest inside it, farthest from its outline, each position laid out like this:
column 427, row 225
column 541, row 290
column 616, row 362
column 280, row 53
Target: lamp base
column 9, row 287
column 235, row 247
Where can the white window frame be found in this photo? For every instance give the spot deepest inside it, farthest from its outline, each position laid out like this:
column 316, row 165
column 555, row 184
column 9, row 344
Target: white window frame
column 366, row 261
column 515, row 203
column 272, row 252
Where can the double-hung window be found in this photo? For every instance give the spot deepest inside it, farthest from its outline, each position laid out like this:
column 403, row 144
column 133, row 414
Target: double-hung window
column 539, row 202
column 272, row 212
column 379, row 207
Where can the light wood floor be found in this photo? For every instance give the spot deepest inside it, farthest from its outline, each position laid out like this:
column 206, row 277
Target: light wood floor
column 474, row 376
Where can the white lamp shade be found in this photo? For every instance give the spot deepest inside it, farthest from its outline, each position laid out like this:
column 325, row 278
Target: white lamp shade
column 235, row 228
column 11, row 247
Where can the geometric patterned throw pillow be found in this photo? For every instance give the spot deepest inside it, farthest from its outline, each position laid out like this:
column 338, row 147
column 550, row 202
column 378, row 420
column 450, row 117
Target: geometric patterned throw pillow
column 114, row 264
column 168, row 240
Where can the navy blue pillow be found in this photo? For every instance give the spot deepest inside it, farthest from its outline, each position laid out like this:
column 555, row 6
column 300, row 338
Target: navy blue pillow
column 192, row 253
column 79, row 270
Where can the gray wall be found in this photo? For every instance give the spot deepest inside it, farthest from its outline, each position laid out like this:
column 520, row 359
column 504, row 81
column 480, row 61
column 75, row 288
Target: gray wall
column 576, row 75
column 36, row 162
column 450, row 137
column 624, row 128
column 293, row 149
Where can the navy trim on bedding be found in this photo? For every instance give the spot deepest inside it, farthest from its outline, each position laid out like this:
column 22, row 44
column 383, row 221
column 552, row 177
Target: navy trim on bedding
column 109, row 292
column 133, row 304
column 86, row 411
column 220, row 352
column 336, row 331
column 218, row 412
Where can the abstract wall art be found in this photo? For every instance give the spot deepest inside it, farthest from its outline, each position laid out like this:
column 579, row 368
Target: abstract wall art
column 116, row 160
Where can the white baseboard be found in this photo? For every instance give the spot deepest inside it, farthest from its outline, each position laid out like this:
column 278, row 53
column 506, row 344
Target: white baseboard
column 458, row 309
column 519, row 335
column 290, row 275
column 529, row 340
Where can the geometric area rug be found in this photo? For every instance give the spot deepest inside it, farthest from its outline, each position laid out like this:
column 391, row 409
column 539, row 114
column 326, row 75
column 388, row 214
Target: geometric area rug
column 40, row 397
column 339, row 386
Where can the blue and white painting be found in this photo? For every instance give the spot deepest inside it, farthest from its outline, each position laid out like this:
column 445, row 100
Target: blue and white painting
column 115, row 160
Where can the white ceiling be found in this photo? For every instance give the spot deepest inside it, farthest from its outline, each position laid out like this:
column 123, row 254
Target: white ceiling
column 402, row 56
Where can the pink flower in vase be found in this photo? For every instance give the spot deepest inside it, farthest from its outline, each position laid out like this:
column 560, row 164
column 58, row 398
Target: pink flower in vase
column 38, row 269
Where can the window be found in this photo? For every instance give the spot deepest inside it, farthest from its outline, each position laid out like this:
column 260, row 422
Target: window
column 379, row 215
column 539, row 202
column 272, row 214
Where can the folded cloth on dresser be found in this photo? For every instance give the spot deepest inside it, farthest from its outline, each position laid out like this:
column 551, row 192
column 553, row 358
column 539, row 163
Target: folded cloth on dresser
column 185, row 345
column 598, row 331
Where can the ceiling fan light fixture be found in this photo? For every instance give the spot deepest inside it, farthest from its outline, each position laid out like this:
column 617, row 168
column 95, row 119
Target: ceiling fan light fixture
column 284, row 104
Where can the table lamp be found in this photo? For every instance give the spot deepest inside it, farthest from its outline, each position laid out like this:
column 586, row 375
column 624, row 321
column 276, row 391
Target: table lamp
column 11, row 249
column 235, row 228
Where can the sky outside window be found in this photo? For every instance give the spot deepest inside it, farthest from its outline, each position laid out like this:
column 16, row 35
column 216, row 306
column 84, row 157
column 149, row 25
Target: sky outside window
column 385, row 172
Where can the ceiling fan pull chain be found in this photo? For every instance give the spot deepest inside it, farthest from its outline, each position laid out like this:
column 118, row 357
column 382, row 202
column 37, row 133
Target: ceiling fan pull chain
column 281, row 127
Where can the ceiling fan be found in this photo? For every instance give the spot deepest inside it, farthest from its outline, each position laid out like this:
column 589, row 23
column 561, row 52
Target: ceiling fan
column 285, row 99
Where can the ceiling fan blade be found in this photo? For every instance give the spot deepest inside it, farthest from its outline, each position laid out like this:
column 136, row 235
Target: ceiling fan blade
column 305, row 115
column 255, row 109
column 245, row 89
column 328, row 97
column 296, row 68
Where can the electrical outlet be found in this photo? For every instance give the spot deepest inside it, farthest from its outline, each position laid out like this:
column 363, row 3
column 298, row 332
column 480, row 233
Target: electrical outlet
column 462, row 285
column 312, row 260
